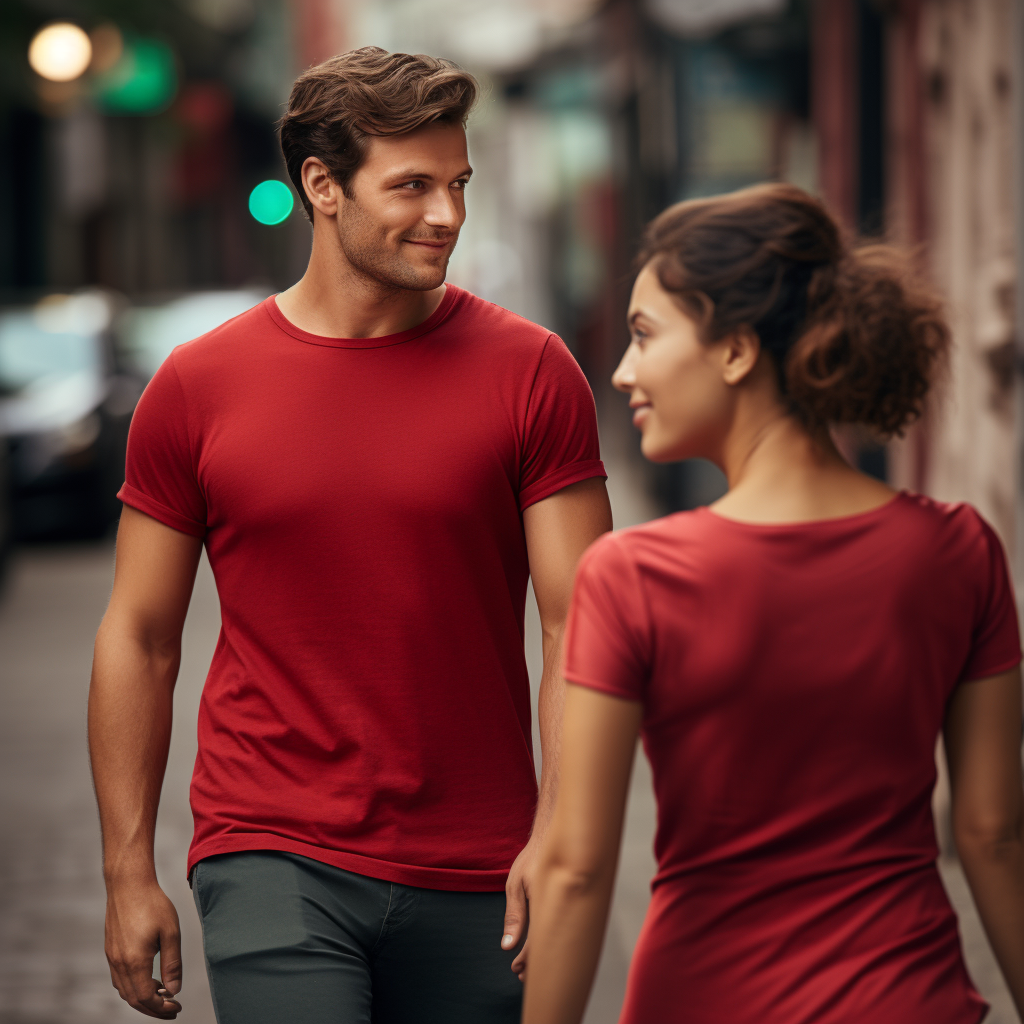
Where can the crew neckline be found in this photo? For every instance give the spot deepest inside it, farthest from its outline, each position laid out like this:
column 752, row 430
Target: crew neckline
column 853, row 519
column 452, row 295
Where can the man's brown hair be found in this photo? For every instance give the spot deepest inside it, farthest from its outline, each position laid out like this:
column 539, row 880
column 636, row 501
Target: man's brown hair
column 336, row 106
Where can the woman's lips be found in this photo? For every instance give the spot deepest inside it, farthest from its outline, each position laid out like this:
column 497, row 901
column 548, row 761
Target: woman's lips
column 640, row 414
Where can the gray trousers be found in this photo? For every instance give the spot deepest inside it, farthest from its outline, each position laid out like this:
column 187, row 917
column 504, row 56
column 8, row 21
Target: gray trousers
column 289, row 940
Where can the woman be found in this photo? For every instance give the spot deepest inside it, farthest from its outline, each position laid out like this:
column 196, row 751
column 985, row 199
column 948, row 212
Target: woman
column 789, row 655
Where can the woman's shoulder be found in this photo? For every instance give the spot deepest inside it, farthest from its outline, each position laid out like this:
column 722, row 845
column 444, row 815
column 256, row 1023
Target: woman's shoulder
column 639, row 545
column 920, row 521
column 948, row 521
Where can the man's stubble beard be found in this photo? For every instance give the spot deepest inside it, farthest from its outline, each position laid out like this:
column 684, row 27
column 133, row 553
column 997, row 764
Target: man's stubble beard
column 364, row 243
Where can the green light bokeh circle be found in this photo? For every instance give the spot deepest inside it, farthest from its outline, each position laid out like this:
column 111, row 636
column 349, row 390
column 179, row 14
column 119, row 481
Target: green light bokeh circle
column 143, row 81
column 271, row 201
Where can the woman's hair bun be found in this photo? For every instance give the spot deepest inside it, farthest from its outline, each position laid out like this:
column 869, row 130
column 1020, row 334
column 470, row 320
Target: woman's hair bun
column 855, row 334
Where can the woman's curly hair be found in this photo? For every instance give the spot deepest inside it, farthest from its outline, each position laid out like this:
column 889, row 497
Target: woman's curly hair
column 855, row 334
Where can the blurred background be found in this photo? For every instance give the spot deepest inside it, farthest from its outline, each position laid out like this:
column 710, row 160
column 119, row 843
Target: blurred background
column 143, row 201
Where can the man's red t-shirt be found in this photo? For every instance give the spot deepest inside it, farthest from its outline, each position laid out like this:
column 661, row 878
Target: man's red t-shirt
column 794, row 680
column 361, row 502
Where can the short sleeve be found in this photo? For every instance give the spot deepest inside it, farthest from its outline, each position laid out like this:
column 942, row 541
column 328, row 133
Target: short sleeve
column 608, row 639
column 995, row 640
column 560, row 442
column 160, row 477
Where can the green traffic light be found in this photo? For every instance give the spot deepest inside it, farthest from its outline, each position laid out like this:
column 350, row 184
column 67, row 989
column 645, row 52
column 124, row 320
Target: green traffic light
column 271, row 201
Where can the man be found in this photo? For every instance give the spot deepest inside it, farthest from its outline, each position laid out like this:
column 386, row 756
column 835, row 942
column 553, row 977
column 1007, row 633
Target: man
column 376, row 462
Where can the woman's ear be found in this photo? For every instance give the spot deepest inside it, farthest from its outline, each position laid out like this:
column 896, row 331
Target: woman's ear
column 740, row 352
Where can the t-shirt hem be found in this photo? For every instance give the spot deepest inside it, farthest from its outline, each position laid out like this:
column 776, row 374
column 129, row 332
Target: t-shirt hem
column 130, row 495
column 448, row 879
column 562, row 477
column 972, row 675
column 590, row 684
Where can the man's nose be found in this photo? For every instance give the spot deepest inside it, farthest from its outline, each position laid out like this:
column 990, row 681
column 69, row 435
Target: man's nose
column 443, row 210
column 624, row 377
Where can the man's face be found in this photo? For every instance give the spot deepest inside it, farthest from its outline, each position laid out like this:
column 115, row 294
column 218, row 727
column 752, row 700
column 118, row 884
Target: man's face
column 406, row 203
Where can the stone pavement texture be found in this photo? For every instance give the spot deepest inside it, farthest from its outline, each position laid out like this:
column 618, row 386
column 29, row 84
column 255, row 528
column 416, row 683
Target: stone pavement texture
column 52, row 969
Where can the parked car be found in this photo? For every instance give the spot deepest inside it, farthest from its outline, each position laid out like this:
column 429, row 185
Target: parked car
column 65, row 405
column 72, row 368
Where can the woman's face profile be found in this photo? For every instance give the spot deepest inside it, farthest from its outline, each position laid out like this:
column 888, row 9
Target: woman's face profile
column 680, row 401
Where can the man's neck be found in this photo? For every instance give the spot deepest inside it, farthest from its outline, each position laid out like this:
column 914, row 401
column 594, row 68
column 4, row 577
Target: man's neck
column 335, row 300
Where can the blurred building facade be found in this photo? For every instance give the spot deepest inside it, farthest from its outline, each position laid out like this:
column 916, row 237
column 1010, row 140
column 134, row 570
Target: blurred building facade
column 134, row 176
column 596, row 114
column 969, row 222
column 942, row 168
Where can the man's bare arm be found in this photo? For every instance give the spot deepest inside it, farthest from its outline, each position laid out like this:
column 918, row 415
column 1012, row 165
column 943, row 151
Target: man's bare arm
column 558, row 530
column 983, row 741
column 135, row 666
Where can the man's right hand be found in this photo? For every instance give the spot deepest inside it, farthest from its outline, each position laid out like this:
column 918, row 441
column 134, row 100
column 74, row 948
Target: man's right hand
column 131, row 706
column 142, row 921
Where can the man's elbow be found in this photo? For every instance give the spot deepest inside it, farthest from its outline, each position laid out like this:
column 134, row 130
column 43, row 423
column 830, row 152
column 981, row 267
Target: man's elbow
column 148, row 640
column 989, row 839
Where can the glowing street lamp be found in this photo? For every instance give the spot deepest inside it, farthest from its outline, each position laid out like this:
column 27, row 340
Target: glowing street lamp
column 60, row 52
column 271, row 201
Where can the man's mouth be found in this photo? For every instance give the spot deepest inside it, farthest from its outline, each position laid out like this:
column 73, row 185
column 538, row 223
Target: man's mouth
column 429, row 243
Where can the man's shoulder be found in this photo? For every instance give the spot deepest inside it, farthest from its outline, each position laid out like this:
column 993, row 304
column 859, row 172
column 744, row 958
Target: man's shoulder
column 223, row 341
column 501, row 325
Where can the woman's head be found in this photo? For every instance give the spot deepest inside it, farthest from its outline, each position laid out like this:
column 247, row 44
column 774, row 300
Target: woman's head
column 754, row 295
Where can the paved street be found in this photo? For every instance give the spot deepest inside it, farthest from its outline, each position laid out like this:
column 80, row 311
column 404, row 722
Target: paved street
column 52, row 969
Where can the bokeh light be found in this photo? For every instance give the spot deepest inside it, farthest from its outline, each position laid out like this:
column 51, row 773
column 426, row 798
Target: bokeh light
column 107, row 47
column 60, row 52
column 143, row 81
column 271, row 201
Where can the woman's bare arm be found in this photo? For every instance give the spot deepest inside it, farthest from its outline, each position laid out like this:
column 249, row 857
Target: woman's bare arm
column 558, row 530
column 983, row 749
column 573, row 886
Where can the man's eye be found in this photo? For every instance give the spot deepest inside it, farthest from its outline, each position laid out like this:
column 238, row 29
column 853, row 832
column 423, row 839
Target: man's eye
column 413, row 184
column 460, row 185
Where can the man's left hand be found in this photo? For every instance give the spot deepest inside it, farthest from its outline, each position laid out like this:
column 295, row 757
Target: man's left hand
column 517, row 902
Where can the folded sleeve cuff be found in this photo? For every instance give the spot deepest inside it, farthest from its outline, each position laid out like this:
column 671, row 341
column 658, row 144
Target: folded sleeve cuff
column 983, row 670
column 554, row 481
column 175, row 520
column 601, row 687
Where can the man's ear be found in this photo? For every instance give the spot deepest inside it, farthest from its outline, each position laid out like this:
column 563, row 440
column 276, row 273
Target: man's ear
column 740, row 352
column 321, row 189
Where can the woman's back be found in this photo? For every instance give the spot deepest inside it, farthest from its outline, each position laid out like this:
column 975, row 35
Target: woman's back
column 794, row 680
column 789, row 656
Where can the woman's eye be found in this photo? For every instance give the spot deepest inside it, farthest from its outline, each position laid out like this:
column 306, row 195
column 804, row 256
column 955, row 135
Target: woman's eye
column 460, row 185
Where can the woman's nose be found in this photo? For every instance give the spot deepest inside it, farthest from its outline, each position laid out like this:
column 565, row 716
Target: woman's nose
column 624, row 376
